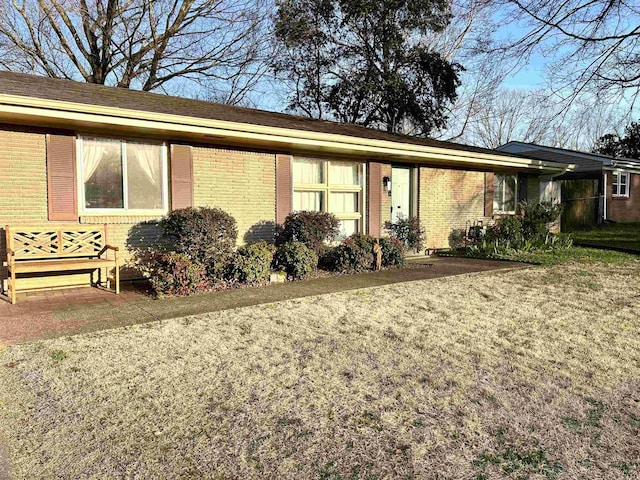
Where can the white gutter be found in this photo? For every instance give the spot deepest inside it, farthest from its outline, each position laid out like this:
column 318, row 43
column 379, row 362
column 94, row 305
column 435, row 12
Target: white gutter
column 93, row 115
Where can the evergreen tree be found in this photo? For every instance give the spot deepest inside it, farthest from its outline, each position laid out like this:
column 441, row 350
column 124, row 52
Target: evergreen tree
column 363, row 62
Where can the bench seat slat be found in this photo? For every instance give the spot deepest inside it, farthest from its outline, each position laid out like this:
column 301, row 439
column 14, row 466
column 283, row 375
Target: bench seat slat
column 35, row 266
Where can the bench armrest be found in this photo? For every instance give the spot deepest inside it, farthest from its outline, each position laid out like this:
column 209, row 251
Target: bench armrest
column 11, row 258
column 115, row 251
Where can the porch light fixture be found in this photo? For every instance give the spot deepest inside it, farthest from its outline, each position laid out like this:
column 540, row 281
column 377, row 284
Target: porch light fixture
column 386, row 183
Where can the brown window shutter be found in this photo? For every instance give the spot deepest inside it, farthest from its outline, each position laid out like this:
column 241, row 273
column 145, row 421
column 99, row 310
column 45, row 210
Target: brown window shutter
column 374, row 189
column 522, row 187
column 62, row 194
column 284, row 187
column 488, row 194
column 181, row 177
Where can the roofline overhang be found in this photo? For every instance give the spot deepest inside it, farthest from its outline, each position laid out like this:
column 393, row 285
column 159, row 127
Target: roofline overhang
column 595, row 157
column 623, row 167
column 42, row 111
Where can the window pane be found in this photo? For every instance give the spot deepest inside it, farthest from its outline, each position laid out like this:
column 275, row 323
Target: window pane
column 505, row 193
column 343, row 202
column 311, row 201
column 102, row 172
column 344, row 173
column 348, row 228
column 307, row 171
column 623, row 179
column 510, row 199
column 615, row 189
column 144, row 176
column 498, row 193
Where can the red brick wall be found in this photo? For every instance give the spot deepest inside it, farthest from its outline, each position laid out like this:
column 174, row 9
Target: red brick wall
column 624, row 209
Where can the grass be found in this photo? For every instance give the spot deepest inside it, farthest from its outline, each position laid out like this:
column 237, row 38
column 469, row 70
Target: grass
column 617, row 235
column 583, row 255
column 522, row 374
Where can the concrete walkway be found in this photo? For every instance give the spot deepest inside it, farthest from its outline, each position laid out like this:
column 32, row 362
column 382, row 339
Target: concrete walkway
column 65, row 312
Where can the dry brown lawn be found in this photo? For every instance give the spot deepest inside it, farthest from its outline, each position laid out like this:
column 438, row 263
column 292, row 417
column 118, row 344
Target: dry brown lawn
column 525, row 374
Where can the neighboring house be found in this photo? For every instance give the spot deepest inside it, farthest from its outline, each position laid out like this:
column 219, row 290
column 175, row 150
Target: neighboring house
column 605, row 187
column 89, row 154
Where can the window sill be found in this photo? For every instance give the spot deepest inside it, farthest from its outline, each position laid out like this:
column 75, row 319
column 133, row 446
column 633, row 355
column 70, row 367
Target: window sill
column 619, row 196
column 119, row 218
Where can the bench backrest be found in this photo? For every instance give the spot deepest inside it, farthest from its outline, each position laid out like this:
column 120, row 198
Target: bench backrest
column 47, row 241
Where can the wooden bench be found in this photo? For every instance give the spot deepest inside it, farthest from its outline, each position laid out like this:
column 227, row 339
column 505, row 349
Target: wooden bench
column 46, row 248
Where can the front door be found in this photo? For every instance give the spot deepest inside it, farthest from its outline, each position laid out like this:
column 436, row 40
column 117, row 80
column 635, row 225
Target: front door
column 400, row 193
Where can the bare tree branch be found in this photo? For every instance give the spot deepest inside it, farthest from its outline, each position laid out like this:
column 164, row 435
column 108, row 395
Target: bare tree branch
column 146, row 44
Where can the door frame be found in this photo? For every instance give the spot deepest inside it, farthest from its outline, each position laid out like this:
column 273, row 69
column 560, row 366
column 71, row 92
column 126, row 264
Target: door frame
column 413, row 188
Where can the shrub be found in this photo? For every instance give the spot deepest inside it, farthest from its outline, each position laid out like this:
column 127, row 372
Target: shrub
column 409, row 231
column 296, row 259
column 354, row 254
column 314, row 229
column 252, row 263
column 507, row 232
column 392, row 252
column 456, row 238
column 524, row 233
column 177, row 274
column 204, row 235
column 536, row 217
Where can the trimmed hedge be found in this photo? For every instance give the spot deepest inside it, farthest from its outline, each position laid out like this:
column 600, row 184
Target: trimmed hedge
column 176, row 274
column 314, row 229
column 205, row 235
column 392, row 253
column 355, row 254
column 296, row 259
column 252, row 263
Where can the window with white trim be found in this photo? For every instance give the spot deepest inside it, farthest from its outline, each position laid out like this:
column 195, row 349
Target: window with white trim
column 505, row 193
column 331, row 186
column 620, row 184
column 122, row 176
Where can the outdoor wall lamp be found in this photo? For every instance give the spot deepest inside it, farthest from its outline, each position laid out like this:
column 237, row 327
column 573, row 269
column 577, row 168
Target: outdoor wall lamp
column 386, row 183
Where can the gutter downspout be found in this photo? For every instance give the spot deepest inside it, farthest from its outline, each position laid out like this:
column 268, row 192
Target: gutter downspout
column 604, row 194
column 569, row 166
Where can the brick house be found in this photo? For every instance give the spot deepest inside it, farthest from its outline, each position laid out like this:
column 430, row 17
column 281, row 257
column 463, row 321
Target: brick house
column 83, row 153
column 614, row 193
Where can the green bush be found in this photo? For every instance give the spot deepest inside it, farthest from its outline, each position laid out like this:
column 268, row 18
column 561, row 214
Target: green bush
column 296, row 259
column 409, row 231
column 507, row 232
column 524, row 233
column 314, row 229
column 252, row 263
column 177, row 275
column 205, row 235
column 536, row 217
column 354, row 254
column 392, row 252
